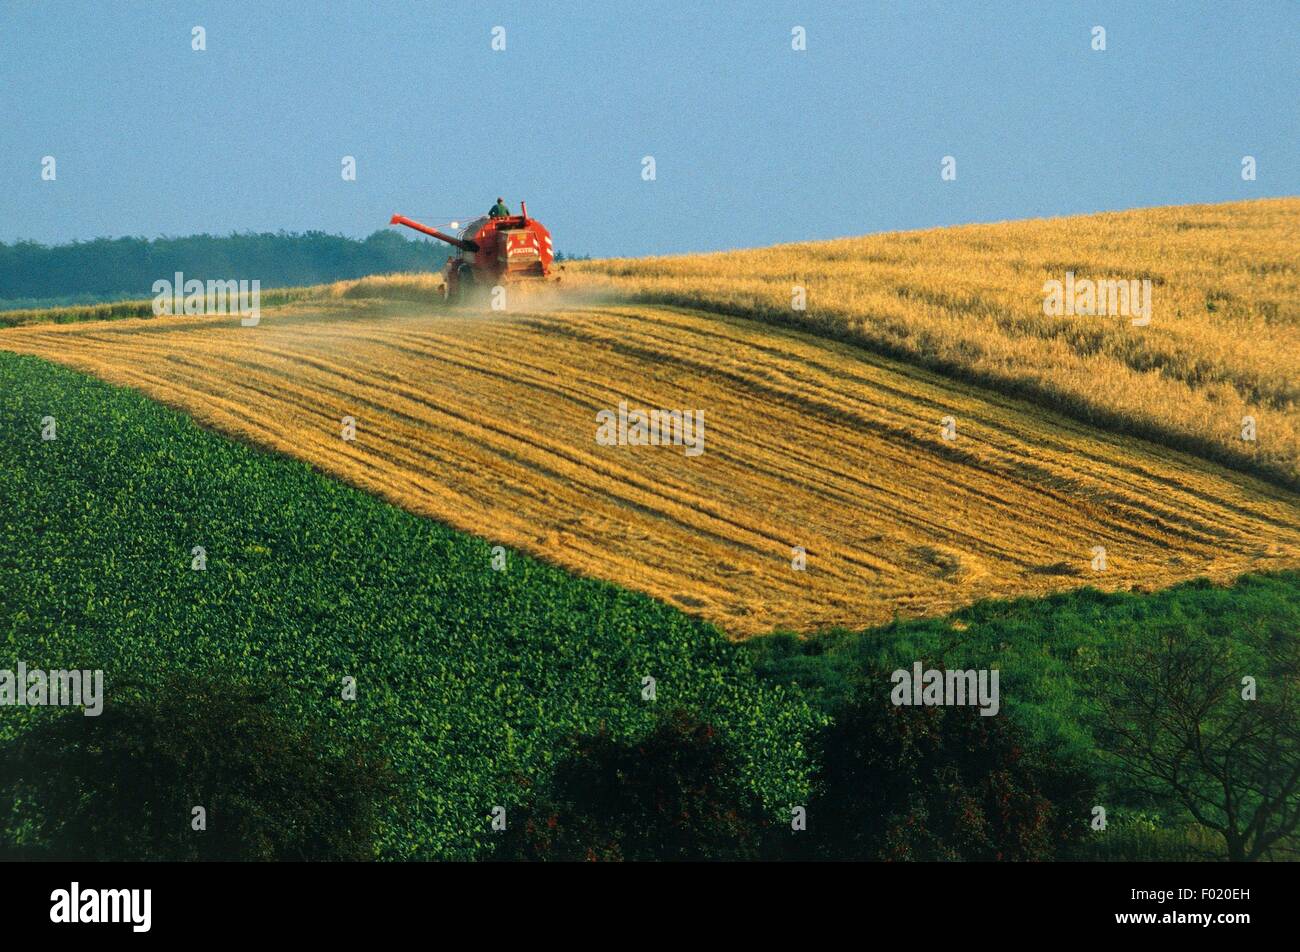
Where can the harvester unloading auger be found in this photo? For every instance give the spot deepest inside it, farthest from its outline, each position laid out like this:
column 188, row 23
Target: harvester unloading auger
column 492, row 251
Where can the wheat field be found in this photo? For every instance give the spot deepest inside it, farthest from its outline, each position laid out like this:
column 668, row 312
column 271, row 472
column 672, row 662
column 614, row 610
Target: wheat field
column 1223, row 342
column 488, row 422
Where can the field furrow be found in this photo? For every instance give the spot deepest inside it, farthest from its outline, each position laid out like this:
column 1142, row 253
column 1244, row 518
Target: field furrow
column 489, row 424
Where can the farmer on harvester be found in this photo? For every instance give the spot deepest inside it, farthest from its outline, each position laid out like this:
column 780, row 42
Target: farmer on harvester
column 499, row 210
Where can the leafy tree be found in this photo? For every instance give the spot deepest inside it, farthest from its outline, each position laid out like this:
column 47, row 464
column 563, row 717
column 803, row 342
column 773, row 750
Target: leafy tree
column 937, row 783
column 123, row 785
column 1174, row 712
column 674, row 795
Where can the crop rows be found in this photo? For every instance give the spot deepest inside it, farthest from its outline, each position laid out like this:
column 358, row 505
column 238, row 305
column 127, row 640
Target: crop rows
column 1223, row 340
column 488, row 423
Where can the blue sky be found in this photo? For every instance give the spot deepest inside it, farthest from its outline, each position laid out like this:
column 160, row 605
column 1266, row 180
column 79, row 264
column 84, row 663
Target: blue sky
column 753, row 142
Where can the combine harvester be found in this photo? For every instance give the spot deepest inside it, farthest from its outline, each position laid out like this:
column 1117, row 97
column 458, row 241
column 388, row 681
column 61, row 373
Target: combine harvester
column 511, row 249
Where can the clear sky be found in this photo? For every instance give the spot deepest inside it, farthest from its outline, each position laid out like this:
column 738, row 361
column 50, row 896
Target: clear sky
column 754, row 143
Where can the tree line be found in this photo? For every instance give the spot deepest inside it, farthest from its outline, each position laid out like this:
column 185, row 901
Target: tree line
column 109, row 268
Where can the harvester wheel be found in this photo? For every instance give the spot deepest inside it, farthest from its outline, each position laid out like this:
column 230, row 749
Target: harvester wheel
column 464, row 285
column 454, row 286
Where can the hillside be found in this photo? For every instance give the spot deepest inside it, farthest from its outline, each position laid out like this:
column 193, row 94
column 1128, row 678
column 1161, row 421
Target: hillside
column 471, row 676
column 1223, row 340
column 489, row 424
column 957, row 491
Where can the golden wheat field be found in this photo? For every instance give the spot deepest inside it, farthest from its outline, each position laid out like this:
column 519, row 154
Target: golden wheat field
column 489, row 422
column 1223, row 342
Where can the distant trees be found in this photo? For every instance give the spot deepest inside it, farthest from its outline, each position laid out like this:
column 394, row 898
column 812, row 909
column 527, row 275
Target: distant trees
column 1213, row 724
column 114, row 267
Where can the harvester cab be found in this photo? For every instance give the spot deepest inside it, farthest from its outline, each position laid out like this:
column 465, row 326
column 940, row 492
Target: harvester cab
column 492, row 251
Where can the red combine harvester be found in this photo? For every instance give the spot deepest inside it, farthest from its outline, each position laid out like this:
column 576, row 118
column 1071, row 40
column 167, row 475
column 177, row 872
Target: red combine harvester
column 492, row 251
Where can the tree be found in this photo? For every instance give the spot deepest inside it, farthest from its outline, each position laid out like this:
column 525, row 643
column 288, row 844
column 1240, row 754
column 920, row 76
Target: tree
column 123, row 785
column 1174, row 712
column 938, row 783
column 674, row 795
column 106, row 268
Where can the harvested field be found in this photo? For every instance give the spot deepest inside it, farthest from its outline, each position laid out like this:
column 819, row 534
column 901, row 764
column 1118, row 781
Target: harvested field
column 488, row 423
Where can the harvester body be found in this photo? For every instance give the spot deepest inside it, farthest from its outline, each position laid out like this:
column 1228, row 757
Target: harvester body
column 493, row 251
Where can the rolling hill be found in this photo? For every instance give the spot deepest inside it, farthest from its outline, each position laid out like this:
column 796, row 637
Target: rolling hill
column 893, row 467
column 1222, row 343
column 488, row 423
